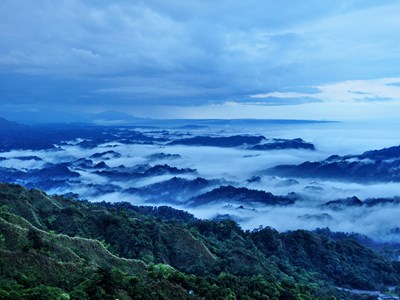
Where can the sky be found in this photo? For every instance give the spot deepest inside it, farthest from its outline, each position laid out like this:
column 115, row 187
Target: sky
column 287, row 59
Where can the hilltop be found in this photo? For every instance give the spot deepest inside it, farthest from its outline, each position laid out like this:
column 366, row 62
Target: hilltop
column 58, row 247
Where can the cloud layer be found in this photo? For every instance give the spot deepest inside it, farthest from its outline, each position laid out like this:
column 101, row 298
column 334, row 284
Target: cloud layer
column 97, row 54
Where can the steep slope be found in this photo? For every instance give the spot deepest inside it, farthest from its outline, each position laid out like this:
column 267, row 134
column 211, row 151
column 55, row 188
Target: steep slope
column 35, row 264
column 25, row 246
column 223, row 261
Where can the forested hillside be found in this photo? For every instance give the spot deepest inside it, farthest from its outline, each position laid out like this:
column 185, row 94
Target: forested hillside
column 62, row 248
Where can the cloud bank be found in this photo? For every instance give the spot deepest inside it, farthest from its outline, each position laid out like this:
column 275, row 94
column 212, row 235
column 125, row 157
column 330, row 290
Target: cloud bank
column 95, row 54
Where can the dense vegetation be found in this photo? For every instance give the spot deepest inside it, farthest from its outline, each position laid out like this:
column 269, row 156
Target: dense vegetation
column 18, row 136
column 371, row 166
column 62, row 248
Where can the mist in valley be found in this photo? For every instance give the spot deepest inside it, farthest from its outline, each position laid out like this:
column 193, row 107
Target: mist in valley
column 237, row 167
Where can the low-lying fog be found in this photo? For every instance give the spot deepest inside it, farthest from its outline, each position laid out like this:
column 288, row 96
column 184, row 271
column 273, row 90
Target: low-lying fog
column 236, row 166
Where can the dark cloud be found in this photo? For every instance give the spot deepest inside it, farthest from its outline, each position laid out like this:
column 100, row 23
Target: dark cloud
column 186, row 53
column 278, row 101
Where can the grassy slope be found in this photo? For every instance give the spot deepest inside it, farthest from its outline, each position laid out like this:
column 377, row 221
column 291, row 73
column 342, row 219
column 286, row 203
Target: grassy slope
column 54, row 241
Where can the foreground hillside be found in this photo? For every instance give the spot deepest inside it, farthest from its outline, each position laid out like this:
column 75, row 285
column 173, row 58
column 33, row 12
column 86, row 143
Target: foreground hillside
column 59, row 248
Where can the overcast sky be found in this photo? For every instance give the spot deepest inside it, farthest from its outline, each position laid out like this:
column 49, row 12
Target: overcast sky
column 310, row 59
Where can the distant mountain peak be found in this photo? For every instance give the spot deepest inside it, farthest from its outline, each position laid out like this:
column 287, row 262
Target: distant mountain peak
column 5, row 124
column 113, row 116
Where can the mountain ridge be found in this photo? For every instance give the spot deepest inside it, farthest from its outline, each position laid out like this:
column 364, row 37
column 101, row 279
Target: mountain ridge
column 369, row 167
column 214, row 253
